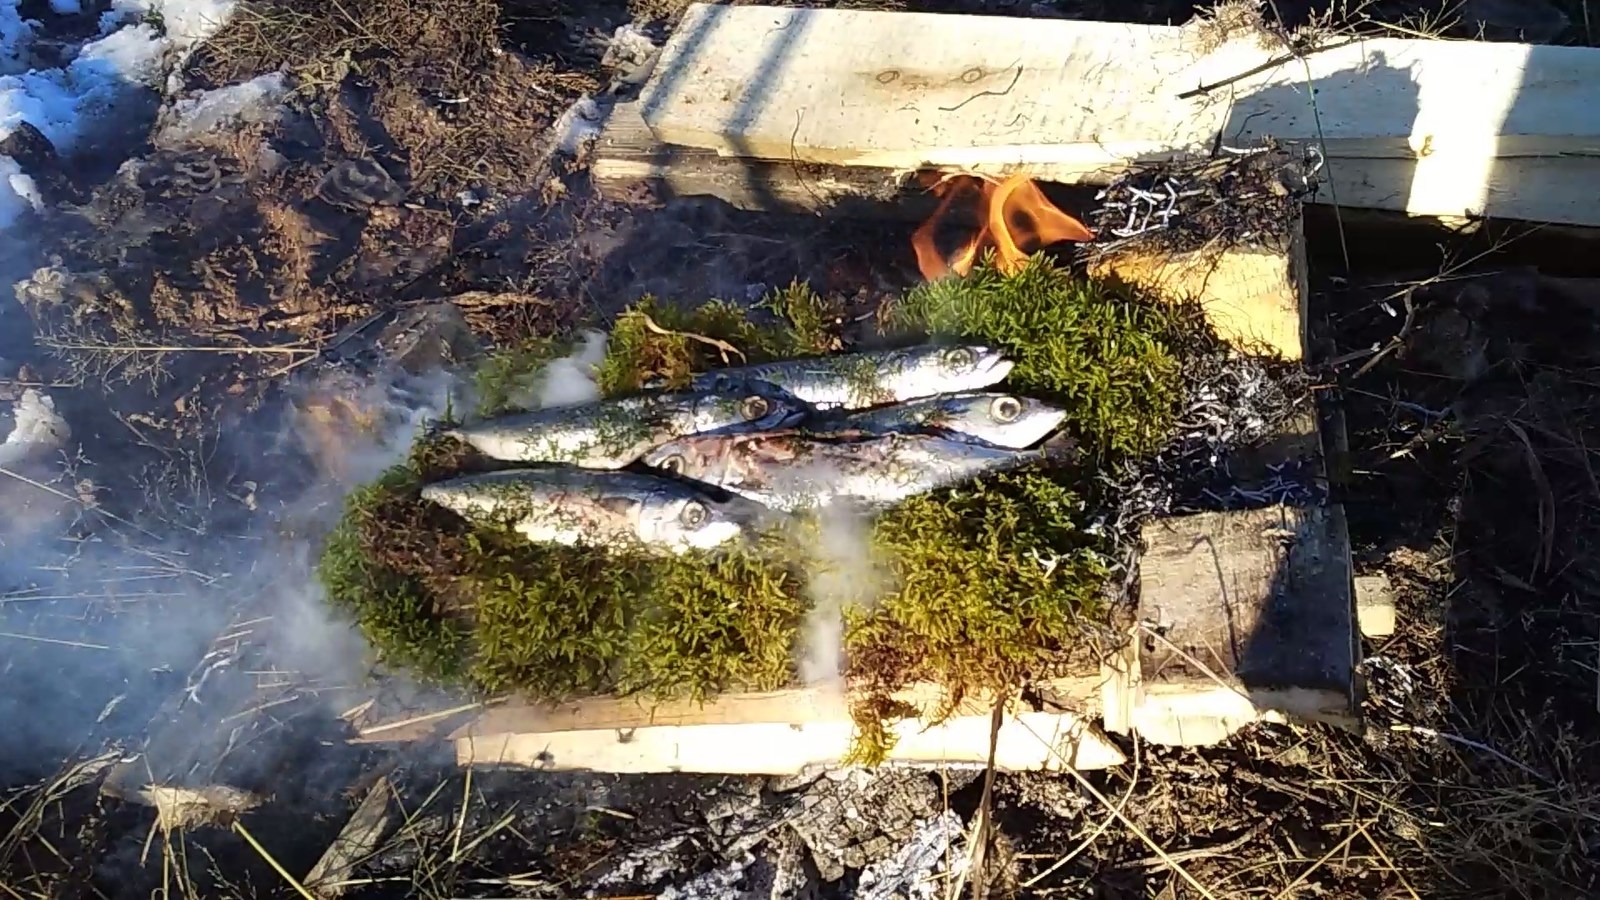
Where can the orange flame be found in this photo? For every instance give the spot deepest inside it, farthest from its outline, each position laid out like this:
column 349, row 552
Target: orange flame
column 1015, row 217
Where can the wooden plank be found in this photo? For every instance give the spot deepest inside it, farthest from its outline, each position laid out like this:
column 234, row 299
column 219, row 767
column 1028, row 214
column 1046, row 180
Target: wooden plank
column 796, row 706
column 1251, row 294
column 356, row 841
column 1027, row 741
column 1375, row 605
column 628, row 164
column 1429, row 127
column 1245, row 614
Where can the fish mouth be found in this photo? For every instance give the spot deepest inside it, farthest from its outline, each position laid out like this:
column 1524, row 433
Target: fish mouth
column 994, row 366
column 1032, row 429
column 715, row 534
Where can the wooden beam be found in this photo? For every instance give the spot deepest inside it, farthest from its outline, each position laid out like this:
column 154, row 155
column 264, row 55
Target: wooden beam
column 1252, row 293
column 1244, row 616
column 628, row 164
column 1375, row 610
column 356, row 841
column 1434, row 128
column 1027, row 741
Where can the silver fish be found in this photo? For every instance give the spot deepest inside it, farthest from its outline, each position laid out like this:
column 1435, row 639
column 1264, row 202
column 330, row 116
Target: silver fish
column 610, row 434
column 857, row 380
column 790, row 470
column 1002, row 420
column 568, row 506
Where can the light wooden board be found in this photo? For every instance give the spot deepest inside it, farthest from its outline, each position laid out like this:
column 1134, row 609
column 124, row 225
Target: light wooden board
column 1251, row 295
column 628, row 164
column 1427, row 127
column 1243, row 615
column 1027, row 741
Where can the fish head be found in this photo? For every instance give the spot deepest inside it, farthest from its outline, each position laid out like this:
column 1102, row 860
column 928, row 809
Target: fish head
column 698, row 458
column 963, row 367
column 746, row 406
column 690, row 522
column 1007, row 420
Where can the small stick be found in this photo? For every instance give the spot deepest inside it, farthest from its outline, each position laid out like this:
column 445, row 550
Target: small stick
column 1133, row 826
column 461, row 820
column 78, row 500
column 722, row 346
column 1360, row 829
column 85, row 645
column 276, row 866
column 418, row 720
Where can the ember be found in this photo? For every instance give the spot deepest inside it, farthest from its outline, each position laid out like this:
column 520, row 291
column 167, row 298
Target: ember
column 1014, row 216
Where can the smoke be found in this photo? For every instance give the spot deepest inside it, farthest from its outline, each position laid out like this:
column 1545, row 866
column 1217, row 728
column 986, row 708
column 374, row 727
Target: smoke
column 844, row 573
column 103, row 616
column 564, row 381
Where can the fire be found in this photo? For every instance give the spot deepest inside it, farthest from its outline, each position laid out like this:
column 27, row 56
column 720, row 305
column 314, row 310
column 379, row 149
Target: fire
column 1014, row 217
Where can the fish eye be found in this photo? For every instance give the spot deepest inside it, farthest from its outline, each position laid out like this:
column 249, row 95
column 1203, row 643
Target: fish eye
column 1005, row 409
column 961, row 357
column 754, row 407
column 694, row 514
column 673, row 464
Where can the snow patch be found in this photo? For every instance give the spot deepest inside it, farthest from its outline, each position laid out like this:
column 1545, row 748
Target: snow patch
column 257, row 100
column 15, row 32
column 186, row 22
column 66, row 7
column 578, row 127
column 18, row 193
column 139, row 41
column 36, row 428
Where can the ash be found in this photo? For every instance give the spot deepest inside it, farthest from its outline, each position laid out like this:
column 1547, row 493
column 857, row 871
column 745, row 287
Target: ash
column 1235, row 197
column 1234, row 404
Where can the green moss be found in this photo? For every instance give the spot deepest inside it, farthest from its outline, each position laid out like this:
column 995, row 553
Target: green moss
column 991, row 579
column 714, row 334
column 400, row 619
column 1105, row 355
column 987, row 584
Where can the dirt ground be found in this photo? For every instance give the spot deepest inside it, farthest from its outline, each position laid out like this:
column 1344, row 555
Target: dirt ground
column 419, row 158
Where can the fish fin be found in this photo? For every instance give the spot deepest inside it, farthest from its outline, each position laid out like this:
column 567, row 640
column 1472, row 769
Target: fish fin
column 616, row 505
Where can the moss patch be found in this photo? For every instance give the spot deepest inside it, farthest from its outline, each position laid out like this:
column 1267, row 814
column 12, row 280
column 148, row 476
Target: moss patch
column 1105, row 355
column 986, row 584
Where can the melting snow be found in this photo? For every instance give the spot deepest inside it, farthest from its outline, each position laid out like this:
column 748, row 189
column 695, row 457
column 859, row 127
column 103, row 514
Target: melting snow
column 131, row 53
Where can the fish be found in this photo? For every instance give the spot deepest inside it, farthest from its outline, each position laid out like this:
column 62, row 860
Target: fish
column 611, row 434
column 871, row 378
column 1001, row 420
column 791, row 470
column 571, row 506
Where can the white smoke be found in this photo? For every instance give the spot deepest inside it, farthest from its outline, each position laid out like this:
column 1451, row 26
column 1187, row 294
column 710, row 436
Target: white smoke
column 565, row 381
column 118, row 620
column 843, row 572
column 571, row 379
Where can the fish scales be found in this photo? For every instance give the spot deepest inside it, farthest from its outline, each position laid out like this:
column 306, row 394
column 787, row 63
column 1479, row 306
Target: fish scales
column 870, row 378
column 611, row 434
column 791, row 470
column 571, row 506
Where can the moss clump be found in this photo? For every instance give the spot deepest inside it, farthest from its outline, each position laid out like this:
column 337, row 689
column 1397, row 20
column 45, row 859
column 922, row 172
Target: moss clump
column 985, row 585
column 1109, row 357
column 652, row 343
